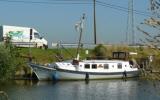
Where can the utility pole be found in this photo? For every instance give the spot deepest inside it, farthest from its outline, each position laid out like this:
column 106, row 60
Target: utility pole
column 30, row 38
column 94, row 15
column 130, row 34
column 132, row 23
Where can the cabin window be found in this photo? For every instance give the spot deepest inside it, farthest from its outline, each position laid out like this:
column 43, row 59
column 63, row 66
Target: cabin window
column 119, row 66
column 87, row 66
column 94, row 66
column 106, row 66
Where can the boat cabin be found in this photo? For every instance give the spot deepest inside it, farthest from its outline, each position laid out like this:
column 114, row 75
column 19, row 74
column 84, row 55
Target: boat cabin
column 120, row 55
column 96, row 65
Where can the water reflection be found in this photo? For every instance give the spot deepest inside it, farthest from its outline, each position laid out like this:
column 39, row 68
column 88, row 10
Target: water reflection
column 80, row 90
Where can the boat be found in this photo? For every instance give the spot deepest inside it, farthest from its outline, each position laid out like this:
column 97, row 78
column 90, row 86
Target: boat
column 95, row 69
column 42, row 72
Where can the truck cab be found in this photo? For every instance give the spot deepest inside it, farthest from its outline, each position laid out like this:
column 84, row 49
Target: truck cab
column 37, row 38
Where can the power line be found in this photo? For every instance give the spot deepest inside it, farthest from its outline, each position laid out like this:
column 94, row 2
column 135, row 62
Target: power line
column 42, row 2
column 71, row 0
column 125, row 8
column 77, row 2
column 120, row 8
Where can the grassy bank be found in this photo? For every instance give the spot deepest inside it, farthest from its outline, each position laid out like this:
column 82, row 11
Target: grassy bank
column 48, row 56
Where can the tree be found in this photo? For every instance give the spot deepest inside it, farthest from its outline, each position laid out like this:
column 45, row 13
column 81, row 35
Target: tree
column 100, row 51
column 152, row 37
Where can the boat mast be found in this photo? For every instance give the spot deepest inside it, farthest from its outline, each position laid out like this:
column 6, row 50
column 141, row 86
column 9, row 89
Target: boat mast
column 80, row 28
column 94, row 18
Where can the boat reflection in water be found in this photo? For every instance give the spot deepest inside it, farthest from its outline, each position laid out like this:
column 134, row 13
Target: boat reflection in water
column 79, row 90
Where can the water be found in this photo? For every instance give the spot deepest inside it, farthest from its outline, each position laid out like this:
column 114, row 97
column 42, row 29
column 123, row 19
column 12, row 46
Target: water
column 80, row 90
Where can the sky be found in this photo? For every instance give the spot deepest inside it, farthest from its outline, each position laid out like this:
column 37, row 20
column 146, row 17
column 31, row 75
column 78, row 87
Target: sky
column 56, row 19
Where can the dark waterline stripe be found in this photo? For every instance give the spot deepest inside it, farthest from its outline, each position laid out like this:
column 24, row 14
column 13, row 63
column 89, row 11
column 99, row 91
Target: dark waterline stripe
column 96, row 73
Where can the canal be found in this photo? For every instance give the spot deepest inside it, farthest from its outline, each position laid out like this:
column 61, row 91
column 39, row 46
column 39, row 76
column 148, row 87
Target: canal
column 81, row 90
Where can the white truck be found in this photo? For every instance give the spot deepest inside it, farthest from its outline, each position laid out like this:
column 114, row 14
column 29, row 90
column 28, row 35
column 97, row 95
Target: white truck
column 22, row 36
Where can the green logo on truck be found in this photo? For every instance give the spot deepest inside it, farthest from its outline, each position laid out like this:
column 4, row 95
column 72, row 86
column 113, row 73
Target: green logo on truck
column 15, row 34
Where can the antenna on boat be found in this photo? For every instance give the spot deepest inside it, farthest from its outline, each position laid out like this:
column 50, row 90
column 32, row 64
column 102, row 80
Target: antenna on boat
column 79, row 28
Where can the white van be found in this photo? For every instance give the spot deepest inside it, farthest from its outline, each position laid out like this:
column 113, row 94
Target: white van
column 22, row 36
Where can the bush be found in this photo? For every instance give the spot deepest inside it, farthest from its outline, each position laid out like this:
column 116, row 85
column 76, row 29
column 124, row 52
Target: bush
column 100, row 51
column 7, row 63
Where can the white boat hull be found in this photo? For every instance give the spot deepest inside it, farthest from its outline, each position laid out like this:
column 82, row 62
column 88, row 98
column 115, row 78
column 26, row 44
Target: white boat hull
column 42, row 72
column 77, row 75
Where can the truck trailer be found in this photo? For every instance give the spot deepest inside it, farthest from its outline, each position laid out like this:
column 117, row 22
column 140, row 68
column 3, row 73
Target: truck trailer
column 22, row 36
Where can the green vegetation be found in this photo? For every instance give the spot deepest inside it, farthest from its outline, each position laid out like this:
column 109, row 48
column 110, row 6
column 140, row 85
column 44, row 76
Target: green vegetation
column 39, row 55
column 47, row 56
column 99, row 51
column 9, row 60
